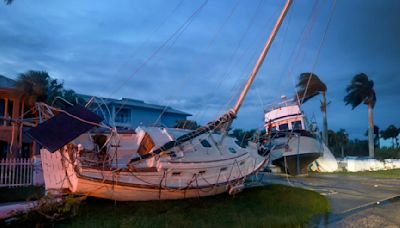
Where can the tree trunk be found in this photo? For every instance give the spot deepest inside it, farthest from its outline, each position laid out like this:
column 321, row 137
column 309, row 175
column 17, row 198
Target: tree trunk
column 324, row 120
column 342, row 147
column 370, row 131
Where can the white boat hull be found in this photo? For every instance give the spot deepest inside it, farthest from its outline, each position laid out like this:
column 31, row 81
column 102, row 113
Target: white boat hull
column 294, row 154
column 193, row 179
column 130, row 193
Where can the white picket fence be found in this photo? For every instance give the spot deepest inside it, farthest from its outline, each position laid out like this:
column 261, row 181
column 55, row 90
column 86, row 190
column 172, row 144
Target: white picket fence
column 15, row 172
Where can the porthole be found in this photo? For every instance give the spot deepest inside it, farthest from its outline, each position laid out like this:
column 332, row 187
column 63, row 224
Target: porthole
column 205, row 143
column 232, row 150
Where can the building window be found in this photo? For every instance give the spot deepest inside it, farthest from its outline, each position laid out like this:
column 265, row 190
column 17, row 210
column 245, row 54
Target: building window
column 3, row 149
column 283, row 127
column 10, row 108
column 6, row 111
column 26, row 150
column 123, row 116
column 2, row 110
column 296, row 125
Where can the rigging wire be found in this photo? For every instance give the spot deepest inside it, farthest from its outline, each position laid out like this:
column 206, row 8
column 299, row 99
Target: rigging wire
column 139, row 48
column 234, row 62
column 294, row 59
column 206, row 50
column 332, row 11
column 172, row 39
column 161, row 47
column 238, row 85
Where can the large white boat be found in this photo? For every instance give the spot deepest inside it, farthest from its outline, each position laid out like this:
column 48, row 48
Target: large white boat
column 198, row 167
column 150, row 163
column 291, row 144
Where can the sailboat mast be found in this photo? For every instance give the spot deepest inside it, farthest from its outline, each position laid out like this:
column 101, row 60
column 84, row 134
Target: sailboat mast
column 262, row 56
column 227, row 118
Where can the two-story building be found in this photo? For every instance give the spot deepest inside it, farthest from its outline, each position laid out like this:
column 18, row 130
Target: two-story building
column 122, row 113
column 132, row 113
column 13, row 141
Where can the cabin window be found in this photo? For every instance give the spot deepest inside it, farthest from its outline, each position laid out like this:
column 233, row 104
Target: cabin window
column 123, row 116
column 242, row 163
column 176, row 173
column 173, row 155
column 223, row 169
column 296, row 125
column 232, row 150
column 146, row 144
column 273, row 129
column 283, row 127
column 202, row 172
column 205, row 143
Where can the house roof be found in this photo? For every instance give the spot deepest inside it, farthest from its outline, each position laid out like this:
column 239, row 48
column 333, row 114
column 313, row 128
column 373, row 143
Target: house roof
column 6, row 82
column 128, row 102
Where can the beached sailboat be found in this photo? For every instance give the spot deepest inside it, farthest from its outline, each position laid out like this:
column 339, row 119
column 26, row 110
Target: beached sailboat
column 148, row 164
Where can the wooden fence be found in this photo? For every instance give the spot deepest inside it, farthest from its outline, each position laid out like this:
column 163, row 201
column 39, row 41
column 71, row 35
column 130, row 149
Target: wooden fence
column 15, row 172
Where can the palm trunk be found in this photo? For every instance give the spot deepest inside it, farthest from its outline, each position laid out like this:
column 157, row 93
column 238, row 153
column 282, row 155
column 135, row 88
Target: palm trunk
column 324, row 120
column 342, row 147
column 370, row 131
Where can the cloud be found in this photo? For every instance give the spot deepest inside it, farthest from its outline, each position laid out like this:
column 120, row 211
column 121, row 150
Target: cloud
column 97, row 48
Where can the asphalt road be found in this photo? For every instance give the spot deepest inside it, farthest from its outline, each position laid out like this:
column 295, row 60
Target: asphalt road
column 356, row 201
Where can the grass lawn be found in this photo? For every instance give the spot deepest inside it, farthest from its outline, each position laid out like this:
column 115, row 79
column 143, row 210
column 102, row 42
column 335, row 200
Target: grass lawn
column 392, row 173
column 271, row 206
column 20, row 193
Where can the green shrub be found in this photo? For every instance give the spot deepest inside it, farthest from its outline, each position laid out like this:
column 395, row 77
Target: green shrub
column 387, row 153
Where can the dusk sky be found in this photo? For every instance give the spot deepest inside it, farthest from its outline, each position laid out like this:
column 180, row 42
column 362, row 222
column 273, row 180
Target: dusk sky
column 196, row 56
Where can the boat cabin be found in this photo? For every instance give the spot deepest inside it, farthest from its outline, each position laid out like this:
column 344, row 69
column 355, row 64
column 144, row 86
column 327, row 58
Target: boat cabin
column 284, row 118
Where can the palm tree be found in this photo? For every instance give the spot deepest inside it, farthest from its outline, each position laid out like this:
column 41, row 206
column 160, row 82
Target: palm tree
column 361, row 90
column 342, row 139
column 39, row 86
column 309, row 86
column 34, row 84
column 391, row 132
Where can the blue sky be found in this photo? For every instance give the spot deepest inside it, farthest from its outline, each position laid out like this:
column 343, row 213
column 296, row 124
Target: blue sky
column 103, row 48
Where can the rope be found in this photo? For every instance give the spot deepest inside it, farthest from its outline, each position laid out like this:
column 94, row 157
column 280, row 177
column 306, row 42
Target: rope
column 78, row 118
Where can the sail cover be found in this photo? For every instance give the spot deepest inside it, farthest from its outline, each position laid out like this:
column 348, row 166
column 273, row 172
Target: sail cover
column 63, row 128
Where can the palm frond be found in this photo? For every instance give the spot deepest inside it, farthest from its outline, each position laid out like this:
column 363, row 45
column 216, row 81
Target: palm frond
column 360, row 90
column 309, row 86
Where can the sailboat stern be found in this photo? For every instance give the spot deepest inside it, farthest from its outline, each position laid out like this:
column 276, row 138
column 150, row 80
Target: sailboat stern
column 58, row 171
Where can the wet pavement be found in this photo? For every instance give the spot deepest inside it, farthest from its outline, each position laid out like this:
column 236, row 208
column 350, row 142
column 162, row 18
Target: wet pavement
column 345, row 193
column 356, row 201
